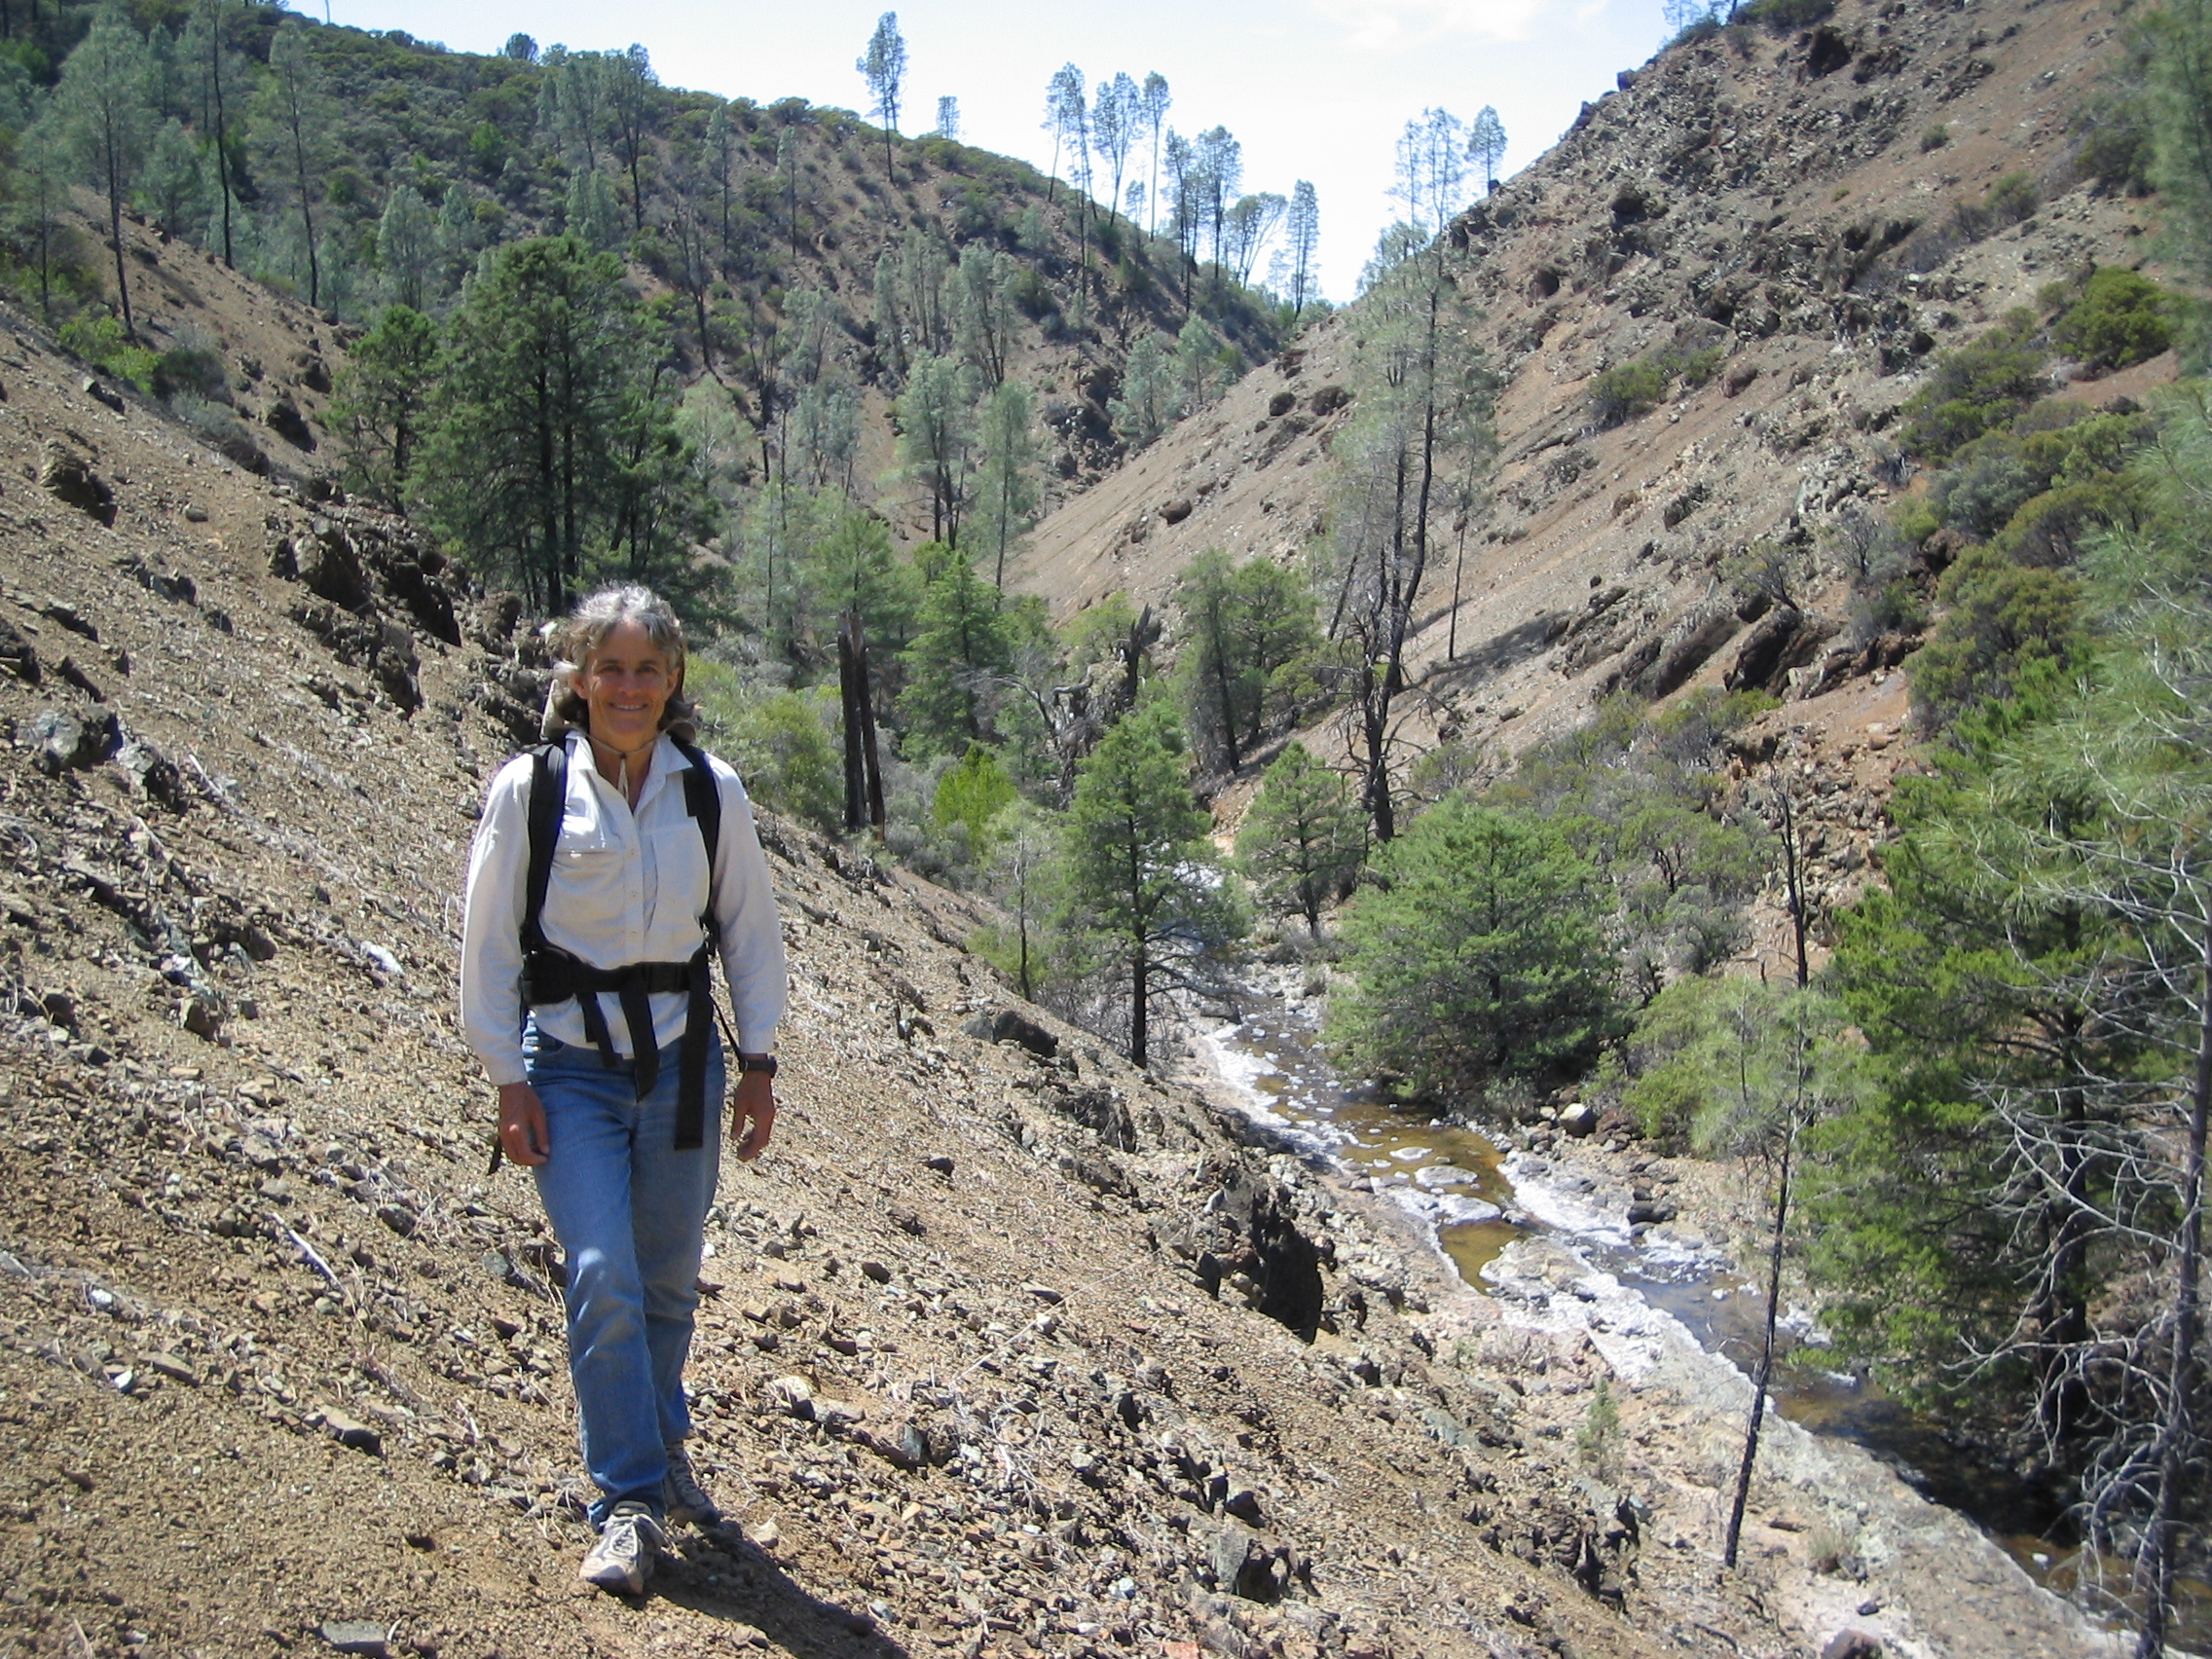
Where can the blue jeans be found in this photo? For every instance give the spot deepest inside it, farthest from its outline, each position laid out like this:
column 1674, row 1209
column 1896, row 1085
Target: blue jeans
column 629, row 1212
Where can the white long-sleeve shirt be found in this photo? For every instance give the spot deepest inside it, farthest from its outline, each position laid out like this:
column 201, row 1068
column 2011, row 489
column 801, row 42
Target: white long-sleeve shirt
column 627, row 886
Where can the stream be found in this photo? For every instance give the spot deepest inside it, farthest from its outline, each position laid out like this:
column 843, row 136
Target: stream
column 1476, row 1201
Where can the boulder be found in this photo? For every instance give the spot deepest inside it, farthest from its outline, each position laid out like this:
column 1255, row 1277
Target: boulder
column 287, row 423
column 68, row 740
column 1006, row 1025
column 68, row 478
column 1579, row 1120
column 329, row 566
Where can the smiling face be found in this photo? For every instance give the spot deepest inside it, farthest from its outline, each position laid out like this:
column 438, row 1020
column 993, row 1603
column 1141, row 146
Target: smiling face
column 626, row 685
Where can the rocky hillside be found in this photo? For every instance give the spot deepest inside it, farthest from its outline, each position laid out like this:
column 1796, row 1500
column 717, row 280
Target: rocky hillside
column 1784, row 210
column 1009, row 1350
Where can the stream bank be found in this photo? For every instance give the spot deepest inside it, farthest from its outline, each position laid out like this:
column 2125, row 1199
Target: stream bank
column 1840, row 1538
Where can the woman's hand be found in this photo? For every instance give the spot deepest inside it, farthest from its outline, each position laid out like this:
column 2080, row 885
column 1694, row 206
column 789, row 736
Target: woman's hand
column 522, row 1134
column 752, row 1113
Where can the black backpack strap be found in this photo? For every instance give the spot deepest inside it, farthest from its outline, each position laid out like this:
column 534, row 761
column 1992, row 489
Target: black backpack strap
column 548, row 800
column 703, row 800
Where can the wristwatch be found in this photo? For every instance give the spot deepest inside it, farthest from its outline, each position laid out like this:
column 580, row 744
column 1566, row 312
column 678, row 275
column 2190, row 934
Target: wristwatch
column 765, row 1064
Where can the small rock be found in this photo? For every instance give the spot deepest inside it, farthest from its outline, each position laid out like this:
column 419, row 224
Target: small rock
column 173, row 1368
column 940, row 1163
column 766, row 1535
column 1852, row 1644
column 1579, row 1119
column 792, row 1395
column 876, row 1271
column 355, row 1636
column 354, row 1436
column 1175, row 511
column 16, row 654
column 195, row 513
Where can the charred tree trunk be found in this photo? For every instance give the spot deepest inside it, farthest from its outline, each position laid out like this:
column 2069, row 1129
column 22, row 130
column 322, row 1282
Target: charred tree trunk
column 2177, row 1435
column 1765, row 1373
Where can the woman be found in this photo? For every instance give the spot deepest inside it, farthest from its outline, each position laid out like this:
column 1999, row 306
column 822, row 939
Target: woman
column 621, row 1133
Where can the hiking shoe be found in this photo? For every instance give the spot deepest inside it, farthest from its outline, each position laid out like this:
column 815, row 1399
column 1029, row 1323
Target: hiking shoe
column 683, row 1497
column 623, row 1558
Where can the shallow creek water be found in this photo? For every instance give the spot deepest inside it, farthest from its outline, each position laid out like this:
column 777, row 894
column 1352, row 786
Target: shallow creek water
column 1477, row 1199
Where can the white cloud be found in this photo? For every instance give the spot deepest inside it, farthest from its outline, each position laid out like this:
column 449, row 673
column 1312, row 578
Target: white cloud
column 1387, row 25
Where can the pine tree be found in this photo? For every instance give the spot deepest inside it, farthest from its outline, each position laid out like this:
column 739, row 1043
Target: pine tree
column 1251, row 221
column 1244, row 625
column 1424, row 397
column 1303, row 229
column 1063, row 96
column 1301, row 840
column 1117, row 111
column 1141, row 874
column 936, row 439
column 1764, row 1066
column 407, row 248
column 629, row 82
column 1154, row 101
column 175, row 187
column 853, row 568
column 219, row 80
column 1481, row 954
column 960, row 649
column 988, row 313
column 1008, row 492
column 107, row 124
column 1145, row 407
column 1198, row 368
column 553, row 437
column 884, row 67
column 295, row 120
column 1486, row 142
column 379, row 404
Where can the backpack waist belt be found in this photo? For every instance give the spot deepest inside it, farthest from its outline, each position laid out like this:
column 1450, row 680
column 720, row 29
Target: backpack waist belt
column 555, row 976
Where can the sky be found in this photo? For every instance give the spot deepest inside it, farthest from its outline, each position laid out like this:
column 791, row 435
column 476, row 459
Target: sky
column 1317, row 90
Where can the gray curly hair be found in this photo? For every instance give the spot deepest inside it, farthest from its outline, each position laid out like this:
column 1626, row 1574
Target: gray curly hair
column 584, row 630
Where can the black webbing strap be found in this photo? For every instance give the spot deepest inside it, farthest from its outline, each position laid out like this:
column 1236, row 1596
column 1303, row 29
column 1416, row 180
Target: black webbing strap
column 554, row 975
column 703, row 800
column 548, row 800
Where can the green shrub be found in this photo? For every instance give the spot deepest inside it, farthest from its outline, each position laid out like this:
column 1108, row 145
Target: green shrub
column 1975, row 388
column 2003, row 621
column 1917, row 519
column 1701, row 366
column 1783, row 15
column 1934, row 139
column 2011, row 198
column 1626, row 390
column 96, row 337
column 973, row 795
column 2122, row 318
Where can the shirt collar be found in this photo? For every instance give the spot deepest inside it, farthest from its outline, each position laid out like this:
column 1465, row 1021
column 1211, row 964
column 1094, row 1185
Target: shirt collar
column 667, row 758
